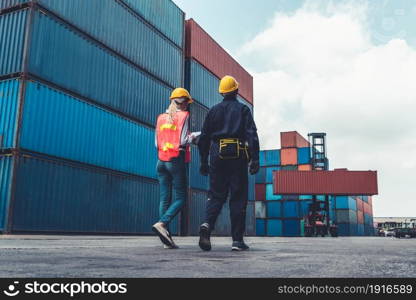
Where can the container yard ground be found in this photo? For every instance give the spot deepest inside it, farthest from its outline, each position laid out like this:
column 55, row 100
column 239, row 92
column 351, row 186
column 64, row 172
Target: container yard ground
column 104, row 256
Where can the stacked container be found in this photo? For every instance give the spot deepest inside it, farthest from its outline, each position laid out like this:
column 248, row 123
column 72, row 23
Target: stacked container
column 354, row 215
column 285, row 215
column 82, row 83
column 206, row 62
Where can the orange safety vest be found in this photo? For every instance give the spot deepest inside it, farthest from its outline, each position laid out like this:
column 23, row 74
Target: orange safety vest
column 169, row 136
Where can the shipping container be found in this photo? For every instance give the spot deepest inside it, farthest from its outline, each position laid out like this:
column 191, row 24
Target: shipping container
column 274, row 227
column 360, row 205
column 360, row 217
column 274, row 209
column 59, row 125
column 10, row 3
column 370, row 201
column 195, row 179
column 195, row 210
column 289, row 156
column 291, row 209
column 223, row 224
column 262, row 158
column 261, row 176
column 203, row 85
column 305, row 167
column 346, row 216
column 345, row 202
column 260, row 192
column 269, row 173
column 250, row 220
column 369, row 230
column 305, row 197
column 251, row 187
column 368, row 219
column 201, row 47
column 6, row 174
column 198, row 113
column 367, row 209
column 110, row 23
column 55, row 196
column 260, row 207
column 293, row 139
column 360, row 229
column 291, row 228
column 9, row 107
column 269, row 194
column 326, row 182
column 289, row 168
column 272, row 157
column 347, row 229
column 63, row 57
column 303, row 155
column 304, row 208
column 165, row 15
column 260, row 227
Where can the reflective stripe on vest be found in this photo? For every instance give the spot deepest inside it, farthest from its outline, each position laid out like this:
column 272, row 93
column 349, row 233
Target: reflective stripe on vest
column 169, row 136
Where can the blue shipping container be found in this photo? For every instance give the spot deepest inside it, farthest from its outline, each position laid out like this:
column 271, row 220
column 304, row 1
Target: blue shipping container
column 304, row 208
column 269, row 193
column 261, row 176
column 162, row 14
column 115, row 26
column 360, row 229
column 250, row 220
column 262, row 158
column 196, row 180
column 77, row 64
column 251, row 187
column 303, row 156
column 346, row 216
column 59, row 125
column 345, row 202
column 291, row 209
column 291, row 227
column 260, row 227
column 347, row 229
column 274, row 209
column 274, row 227
column 198, row 114
column 272, row 157
column 9, row 100
column 6, row 174
column 9, row 3
column 196, row 210
column 269, row 173
column 54, row 196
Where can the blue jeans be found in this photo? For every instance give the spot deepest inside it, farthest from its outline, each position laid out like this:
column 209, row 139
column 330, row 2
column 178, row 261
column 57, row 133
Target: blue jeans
column 172, row 177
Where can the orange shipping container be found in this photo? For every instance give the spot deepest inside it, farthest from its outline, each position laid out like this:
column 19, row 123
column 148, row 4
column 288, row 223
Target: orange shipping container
column 305, row 167
column 360, row 206
column 289, row 156
column 292, row 139
column 360, row 217
column 370, row 200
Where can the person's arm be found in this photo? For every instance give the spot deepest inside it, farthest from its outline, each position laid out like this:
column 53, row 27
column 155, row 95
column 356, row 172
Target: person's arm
column 251, row 135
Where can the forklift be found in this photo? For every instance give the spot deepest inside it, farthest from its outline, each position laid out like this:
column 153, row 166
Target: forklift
column 318, row 221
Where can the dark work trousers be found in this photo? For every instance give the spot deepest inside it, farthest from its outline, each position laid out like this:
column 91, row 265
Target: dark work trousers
column 228, row 178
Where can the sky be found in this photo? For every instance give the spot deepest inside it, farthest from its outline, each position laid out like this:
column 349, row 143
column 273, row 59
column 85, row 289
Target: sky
column 346, row 68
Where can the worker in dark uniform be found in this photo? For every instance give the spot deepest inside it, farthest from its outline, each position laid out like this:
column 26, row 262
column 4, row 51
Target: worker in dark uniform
column 229, row 139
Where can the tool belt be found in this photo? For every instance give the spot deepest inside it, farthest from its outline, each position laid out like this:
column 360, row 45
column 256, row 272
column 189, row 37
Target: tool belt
column 232, row 149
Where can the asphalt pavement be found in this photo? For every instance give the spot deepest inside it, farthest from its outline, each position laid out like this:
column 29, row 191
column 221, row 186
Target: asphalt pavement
column 144, row 257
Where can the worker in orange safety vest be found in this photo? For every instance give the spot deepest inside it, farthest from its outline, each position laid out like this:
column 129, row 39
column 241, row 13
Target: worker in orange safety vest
column 173, row 139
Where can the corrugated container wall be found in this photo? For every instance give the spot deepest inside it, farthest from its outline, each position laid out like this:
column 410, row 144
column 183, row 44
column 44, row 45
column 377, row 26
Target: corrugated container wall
column 164, row 15
column 90, row 200
column 9, row 3
column 59, row 125
column 9, row 95
column 93, row 73
column 6, row 174
column 203, row 48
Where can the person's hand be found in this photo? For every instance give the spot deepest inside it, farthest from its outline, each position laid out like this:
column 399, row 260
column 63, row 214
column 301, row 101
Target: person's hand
column 204, row 169
column 254, row 167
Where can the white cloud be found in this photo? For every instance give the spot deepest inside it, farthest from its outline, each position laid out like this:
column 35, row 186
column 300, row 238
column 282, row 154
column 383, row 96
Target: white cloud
column 318, row 70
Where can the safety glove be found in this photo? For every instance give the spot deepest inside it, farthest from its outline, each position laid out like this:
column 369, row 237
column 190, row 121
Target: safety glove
column 204, row 169
column 254, row 167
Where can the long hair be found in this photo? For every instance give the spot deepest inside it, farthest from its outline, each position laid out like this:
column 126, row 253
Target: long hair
column 172, row 109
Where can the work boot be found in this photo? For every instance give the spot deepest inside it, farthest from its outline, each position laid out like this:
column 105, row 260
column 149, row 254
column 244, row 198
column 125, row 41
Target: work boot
column 160, row 229
column 239, row 246
column 204, row 237
column 171, row 247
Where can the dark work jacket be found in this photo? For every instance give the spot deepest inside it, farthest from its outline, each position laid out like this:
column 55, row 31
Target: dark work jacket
column 229, row 119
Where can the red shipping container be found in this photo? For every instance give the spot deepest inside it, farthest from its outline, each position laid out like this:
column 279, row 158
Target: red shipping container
column 202, row 47
column 370, row 200
column 360, row 217
column 338, row 182
column 305, row 167
column 289, row 156
column 260, row 192
column 292, row 139
column 368, row 209
column 360, row 206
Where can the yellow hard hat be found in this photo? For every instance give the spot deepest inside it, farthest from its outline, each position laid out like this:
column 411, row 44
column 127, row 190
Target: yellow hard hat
column 181, row 93
column 228, row 84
